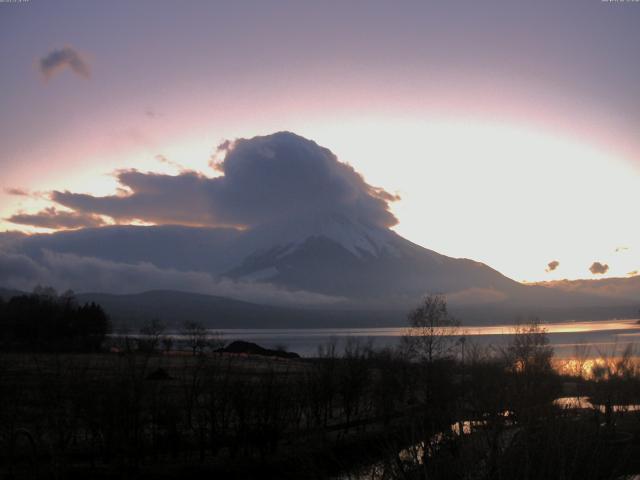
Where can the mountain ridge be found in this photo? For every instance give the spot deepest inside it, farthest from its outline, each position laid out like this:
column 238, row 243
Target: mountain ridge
column 175, row 307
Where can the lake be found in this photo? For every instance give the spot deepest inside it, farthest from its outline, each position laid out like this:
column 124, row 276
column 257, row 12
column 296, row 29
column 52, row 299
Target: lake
column 607, row 336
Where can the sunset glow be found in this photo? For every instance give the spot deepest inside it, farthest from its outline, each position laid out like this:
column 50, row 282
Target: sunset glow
column 511, row 163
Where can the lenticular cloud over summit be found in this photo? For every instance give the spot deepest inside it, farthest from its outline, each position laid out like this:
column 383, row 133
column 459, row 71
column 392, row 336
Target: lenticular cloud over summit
column 263, row 179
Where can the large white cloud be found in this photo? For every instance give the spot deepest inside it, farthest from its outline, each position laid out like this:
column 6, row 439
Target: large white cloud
column 262, row 179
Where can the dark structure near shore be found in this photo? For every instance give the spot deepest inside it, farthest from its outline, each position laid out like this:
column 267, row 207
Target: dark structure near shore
column 249, row 348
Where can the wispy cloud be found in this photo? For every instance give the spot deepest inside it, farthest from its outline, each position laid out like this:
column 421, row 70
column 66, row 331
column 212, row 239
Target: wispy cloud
column 59, row 59
column 152, row 113
column 57, row 219
column 168, row 161
column 17, row 192
column 79, row 273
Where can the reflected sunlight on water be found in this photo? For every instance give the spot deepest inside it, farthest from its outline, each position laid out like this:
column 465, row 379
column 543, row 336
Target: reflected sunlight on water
column 583, row 402
column 565, row 337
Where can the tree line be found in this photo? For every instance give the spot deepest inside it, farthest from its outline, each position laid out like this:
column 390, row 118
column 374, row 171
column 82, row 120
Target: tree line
column 46, row 321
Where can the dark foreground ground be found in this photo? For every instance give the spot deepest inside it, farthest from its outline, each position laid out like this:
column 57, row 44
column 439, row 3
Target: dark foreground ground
column 366, row 414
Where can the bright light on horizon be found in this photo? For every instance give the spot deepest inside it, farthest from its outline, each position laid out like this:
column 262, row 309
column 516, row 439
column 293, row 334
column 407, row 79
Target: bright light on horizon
column 511, row 197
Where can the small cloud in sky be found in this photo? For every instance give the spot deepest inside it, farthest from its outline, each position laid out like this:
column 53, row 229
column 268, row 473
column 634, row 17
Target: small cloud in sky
column 57, row 219
column 621, row 249
column 598, row 268
column 152, row 113
column 23, row 192
column 551, row 266
column 17, row 192
column 59, row 59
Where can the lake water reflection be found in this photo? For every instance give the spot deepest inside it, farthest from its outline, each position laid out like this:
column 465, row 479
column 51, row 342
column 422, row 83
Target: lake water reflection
column 600, row 336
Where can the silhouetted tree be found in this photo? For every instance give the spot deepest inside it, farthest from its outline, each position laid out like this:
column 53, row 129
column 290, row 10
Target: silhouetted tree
column 432, row 330
column 196, row 336
column 529, row 352
column 45, row 321
column 152, row 331
column 167, row 343
column 529, row 361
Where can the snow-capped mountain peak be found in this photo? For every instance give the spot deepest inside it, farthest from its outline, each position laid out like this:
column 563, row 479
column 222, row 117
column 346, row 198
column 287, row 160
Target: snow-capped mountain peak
column 354, row 236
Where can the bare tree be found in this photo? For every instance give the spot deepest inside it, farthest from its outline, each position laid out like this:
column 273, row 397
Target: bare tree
column 167, row 343
column 151, row 332
column 196, row 336
column 614, row 374
column 529, row 352
column 432, row 330
column 528, row 359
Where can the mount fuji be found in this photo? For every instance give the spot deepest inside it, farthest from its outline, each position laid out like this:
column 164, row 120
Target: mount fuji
column 361, row 268
column 333, row 254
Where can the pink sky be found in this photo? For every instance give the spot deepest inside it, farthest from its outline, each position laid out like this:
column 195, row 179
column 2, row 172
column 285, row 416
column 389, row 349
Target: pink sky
column 545, row 92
